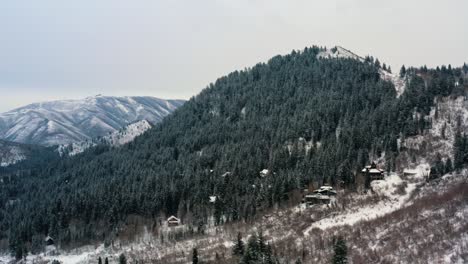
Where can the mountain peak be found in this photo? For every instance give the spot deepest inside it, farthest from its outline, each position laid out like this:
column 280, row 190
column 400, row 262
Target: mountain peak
column 339, row 52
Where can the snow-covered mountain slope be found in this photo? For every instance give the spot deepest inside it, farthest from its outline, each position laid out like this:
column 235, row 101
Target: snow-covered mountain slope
column 397, row 81
column 10, row 153
column 405, row 220
column 115, row 139
column 69, row 121
column 339, row 52
column 448, row 115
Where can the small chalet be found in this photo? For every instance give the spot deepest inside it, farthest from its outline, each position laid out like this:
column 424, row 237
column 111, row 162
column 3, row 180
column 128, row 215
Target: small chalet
column 173, row 221
column 213, row 198
column 49, row 241
column 323, row 195
column 373, row 173
column 264, row 173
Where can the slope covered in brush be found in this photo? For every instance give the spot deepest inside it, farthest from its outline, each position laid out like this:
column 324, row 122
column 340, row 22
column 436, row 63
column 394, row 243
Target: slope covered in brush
column 301, row 117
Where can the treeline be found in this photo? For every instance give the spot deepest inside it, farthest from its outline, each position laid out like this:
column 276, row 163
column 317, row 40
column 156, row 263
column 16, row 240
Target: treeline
column 304, row 119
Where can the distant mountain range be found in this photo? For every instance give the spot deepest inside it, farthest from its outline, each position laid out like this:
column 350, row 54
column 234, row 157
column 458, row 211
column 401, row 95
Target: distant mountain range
column 72, row 121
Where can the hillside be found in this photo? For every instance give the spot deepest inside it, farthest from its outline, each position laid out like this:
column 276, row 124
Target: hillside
column 14, row 155
column 72, row 121
column 10, row 153
column 301, row 118
column 114, row 139
column 407, row 220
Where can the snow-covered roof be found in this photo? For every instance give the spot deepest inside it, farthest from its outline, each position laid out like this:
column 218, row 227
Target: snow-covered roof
column 173, row 219
column 372, row 170
column 326, row 188
column 264, row 172
column 213, row 199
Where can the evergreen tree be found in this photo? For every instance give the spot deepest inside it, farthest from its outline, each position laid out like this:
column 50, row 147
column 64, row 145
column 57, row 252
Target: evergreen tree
column 448, row 166
column 459, row 151
column 403, row 71
column 341, row 252
column 238, row 249
column 252, row 253
column 195, row 256
column 122, row 259
column 377, row 63
column 99, row 260
column 106, row 261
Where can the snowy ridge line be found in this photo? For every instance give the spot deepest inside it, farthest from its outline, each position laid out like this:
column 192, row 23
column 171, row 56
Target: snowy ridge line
column 114, row 139
column 71, row 121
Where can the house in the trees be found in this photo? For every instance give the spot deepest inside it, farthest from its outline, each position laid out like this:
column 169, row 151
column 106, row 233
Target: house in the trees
column 372, row 172
column 323, row 195
column 49, row 241
column 173, row 221
column 264, row 173
column 212, row 198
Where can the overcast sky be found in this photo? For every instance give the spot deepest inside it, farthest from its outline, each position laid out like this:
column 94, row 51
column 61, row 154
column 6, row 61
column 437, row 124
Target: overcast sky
column 55, row 49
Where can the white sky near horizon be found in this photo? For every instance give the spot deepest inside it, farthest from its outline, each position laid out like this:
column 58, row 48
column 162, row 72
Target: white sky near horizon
column 55, row 49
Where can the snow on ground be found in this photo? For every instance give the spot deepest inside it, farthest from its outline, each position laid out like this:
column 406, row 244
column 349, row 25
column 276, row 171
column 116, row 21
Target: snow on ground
column 338, row 52
column 82, row 256
column 397, row 81
column 10, row 155
column 395, row 193
column 441, row 136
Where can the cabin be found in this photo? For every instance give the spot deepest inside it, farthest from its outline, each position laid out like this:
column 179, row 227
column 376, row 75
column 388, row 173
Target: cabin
column 373, row 173
column 49, row 241
column 323, row 195
column 173, row 221
column 264, row 173
column 212, row 199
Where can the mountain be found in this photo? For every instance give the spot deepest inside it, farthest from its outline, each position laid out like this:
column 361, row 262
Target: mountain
column 254, row 140
column 113, row 139
column 71, row 121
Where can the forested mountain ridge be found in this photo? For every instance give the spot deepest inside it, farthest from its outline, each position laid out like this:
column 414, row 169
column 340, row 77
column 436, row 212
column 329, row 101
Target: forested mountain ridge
column 304, row 118
column 14, row 156
column 71, row 121
column 113, row 139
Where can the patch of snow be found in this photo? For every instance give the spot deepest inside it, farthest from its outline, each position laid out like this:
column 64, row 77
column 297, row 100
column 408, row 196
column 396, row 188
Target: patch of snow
column 440, row 137
column 10, row 155
column 398, row 82
column 338, row 52
column 387, row 189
